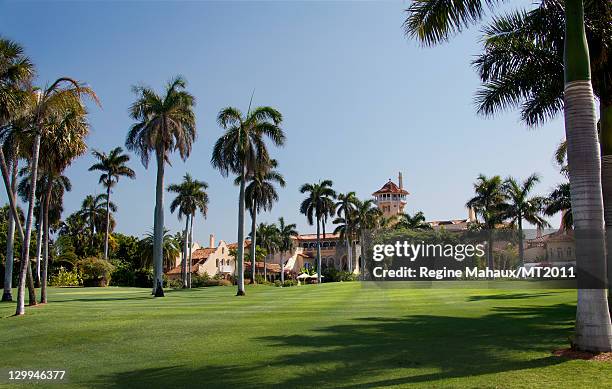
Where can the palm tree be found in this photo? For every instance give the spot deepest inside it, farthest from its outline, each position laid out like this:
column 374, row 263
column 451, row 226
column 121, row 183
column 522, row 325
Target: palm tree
column 260, row 194
column 170, row 250
column 93, row 211
column 191, row 197
column 51, row 105
column 345, row 208
column 270, row 241
column 164, row 124
column 559, row 201
column 113, row 165
column 16, row 73
column 414, row 222
column 489, row 203
column 522, row 207
column 240, row 150
column 433, row 21
column 318, row 205
column 287, row 234
column 368, row 217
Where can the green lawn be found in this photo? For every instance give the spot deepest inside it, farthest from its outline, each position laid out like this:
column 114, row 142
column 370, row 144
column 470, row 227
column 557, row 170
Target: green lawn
column 329, row 335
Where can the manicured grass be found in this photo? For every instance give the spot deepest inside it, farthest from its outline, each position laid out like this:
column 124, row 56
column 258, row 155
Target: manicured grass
column 339, row 334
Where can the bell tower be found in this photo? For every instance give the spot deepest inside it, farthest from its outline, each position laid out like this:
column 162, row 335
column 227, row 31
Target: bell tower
column 391, row 198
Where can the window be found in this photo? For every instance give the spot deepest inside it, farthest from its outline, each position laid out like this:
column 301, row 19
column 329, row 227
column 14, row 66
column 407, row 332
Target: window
column 552, row 255
column 569, row 252
column 217, row 262
column 559, row 252
column 222, row 250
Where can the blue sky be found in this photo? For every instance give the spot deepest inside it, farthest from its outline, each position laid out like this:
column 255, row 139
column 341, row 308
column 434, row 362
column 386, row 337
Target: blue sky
column 360, row 101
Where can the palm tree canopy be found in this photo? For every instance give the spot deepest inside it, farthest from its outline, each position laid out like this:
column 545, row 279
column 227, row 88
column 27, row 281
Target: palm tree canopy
column 319, row 204
column 191, row 197
column 93, row 211
column 112, row 165
column 489, row 200
column 269, row 237
column 260, row 193
column 287, row 232
column 559, row 200
column 242, row 146
column 16, row 72
column 520, row 204
column 170, row 249
column 163, row 123
column 414, row 222
column 522, row 62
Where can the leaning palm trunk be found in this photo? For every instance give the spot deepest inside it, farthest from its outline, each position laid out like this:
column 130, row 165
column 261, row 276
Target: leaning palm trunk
column 593, row 329
column 39, row 236
column 45, row 224
column 253, row 240
column 108, row 193
column 158, row 229
column 349, row 265
column 10, row 241
column 605, row 124
column 190, row 251
column 240, row 253
column 184, row 260
column 25, row 257
column 318, row 253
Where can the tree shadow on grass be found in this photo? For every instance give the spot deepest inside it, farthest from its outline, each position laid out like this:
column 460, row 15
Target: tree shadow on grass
column 509, row 296
column 386, row 351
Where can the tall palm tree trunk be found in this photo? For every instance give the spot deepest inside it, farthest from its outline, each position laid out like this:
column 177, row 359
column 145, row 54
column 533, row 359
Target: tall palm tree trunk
column 25, row 256
column 593, row 329
column 605, row 124
column 45, row 223
column 265, row 269
column 240, row 253
column 108, row 193
column 184, row 260
column 10, row 240
column 349, row 266
column 490, row 260
column 253, row 240
column 520, row 242
column 158, row 229
column 39, row 240
column 190, row 250
column 318, row 252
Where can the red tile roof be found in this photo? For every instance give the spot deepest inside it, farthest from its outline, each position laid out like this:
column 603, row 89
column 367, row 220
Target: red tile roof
column 390, row 187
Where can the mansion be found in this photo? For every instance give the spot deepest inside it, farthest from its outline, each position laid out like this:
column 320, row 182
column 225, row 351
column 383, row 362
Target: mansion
column 391, row 200
column 216, row 258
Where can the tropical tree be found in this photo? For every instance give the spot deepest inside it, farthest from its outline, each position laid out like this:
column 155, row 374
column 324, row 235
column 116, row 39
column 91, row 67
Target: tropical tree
column 191, row 198
column 240, row 150
column 170, row 250
column 113, row 166
column 163, row 124
column 490, row 204
column 318, row 206
column 433, row 21
column 260, row 195
column 16, row 72
column 270, row 241
column 345, row 209
column 287, row 234
column 559, row 201
column 93, row 211
column 413, row 222
column 368, row 217
column 523, row 207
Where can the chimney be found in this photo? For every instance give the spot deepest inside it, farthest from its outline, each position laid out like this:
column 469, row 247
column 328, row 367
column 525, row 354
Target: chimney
column 400, row 181
column 211, row 242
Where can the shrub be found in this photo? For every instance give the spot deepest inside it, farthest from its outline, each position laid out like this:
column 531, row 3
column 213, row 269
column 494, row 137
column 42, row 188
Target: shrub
column 176, row 283
column 290, row 283
column 124, row 274
column 95, row 271
column 66, row 278
column 143, row 278
column 331, row 274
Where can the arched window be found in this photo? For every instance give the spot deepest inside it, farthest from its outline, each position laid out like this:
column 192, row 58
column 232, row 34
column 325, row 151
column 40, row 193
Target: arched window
column 217, row 262
column 325, row 244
